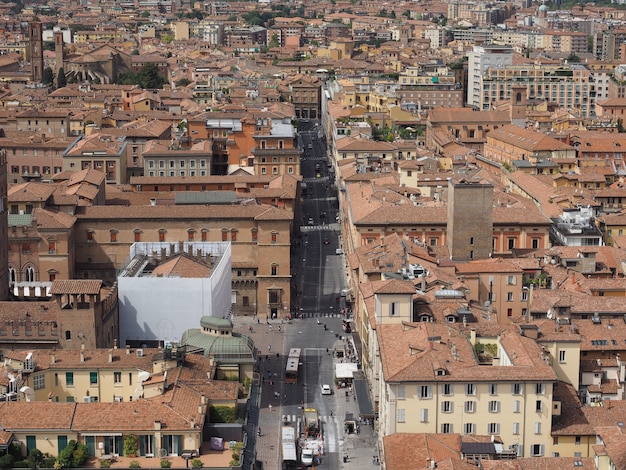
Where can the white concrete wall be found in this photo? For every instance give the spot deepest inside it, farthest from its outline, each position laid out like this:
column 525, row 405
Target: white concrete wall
column 163, row 308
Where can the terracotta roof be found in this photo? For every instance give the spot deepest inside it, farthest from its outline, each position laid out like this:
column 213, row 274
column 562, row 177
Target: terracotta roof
column 76, row 286
column 183, row 267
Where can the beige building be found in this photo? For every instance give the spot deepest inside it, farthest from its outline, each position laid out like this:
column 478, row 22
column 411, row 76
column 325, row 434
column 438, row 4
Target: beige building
column 101, row 152
column 436, row 379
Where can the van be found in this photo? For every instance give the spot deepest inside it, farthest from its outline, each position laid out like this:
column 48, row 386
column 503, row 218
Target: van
column 307, row 457
column 339, row 251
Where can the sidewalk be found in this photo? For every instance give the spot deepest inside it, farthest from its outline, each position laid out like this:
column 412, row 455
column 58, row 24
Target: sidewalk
column 265, row 409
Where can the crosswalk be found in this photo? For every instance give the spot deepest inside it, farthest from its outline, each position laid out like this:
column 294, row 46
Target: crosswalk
column 327, row 227
column 296, row 419
column 320, row 314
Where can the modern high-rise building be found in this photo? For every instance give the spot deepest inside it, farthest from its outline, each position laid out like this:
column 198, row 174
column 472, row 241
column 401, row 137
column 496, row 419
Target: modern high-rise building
column 479, row 60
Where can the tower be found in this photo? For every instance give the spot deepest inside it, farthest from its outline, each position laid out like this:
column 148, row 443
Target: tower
column 58, row 51
column 4, row 229
column 517, row 110
column 470, row 219
column 35, row 39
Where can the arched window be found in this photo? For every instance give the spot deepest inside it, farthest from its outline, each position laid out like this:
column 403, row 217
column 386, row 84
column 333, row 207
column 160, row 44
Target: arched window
column 12, row 276
column 255, row 234
column 274, row 270
column 204, row 234
column 137, row 233
column 68, row 335
column 162, row 235
column 191, row 233
column 224, row 234
column 29, row 274
column 113, row 235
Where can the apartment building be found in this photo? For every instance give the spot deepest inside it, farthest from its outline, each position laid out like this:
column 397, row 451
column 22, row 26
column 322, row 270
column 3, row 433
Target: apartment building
column 568, row 86
column 480, row 59
column 525, row 149
column 418, row 89
column 436, row 379
column 101, row 152
column 171, row 159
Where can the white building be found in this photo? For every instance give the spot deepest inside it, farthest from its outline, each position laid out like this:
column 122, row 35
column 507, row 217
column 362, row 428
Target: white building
column 479, row 60
column 166, row 289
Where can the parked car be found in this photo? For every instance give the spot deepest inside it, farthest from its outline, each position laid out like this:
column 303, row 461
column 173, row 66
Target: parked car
column 327, row 390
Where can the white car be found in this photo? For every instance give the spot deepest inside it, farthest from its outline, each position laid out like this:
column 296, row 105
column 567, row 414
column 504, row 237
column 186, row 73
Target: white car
column 326, row 390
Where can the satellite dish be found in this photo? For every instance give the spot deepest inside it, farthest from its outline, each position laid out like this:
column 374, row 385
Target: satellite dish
column 162, row 453
column 487, row 304
column 549, row 314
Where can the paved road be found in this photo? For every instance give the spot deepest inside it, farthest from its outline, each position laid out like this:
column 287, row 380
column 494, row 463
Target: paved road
column 319, row 277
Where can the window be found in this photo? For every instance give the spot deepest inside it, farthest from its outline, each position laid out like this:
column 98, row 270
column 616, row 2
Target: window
column 274, row 270
column 69, row 379
column 113, row 236
column 190, row 235
column 494, row 406
column 536, row 450
column 162, row 235
column 511, row 242
column 424, row 415
column 509, row 296
column 469, row 428
column 137, row 236
column 93, row 378
column 401, row 415
column 401, row 392
column 39, row 381
column 233, row 235
column 25, row 248
column 471, row 240
column 447, row 407
column 538, row 427
column 493, row 428
column 515, row 428
column 255, row 234
column 274, row 237
column 538, row 406
column 516, row 406
column 204, row 234
column 446, row 428
column 577, row 441
column 470, row 407
column 393, row 309
column 470, row 389
column 224, row 235
column 52, row 248
column 117, row 377
column 540, row 389
column 516, row 389
column 447, row 389
column 493, row 389
column 561, row 356
column 425, row 392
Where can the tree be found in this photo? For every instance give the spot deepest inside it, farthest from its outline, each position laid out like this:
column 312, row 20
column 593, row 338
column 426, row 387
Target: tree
column 35, row 458
column 48, row 76
column 573, row 58
column 61, row 80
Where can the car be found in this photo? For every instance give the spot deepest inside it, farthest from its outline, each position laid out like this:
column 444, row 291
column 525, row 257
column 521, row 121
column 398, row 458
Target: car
column 326, row 241
column 317, row 167
column 326, row 390
column 318, row 175
column 311, row 222
column 310, row 146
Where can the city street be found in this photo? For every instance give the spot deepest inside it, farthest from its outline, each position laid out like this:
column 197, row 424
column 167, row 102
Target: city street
column 319, row 277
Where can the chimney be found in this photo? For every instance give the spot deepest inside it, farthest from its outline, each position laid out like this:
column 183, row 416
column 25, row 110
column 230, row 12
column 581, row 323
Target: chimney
column 82, row 356
column 157, row 425
column 115, row 343
column 128, row 349
column 473, row 336
column 53, row 359
column 110, row 356
column 82, row 346
column 200, row 409
column 192, row 424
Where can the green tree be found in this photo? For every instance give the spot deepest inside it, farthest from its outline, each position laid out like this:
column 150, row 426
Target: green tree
column 61, row 80
column 274, row 41
column 573, row 58
column 48, row 76
column 183, row 82
column 34, row 458
column 48, row 45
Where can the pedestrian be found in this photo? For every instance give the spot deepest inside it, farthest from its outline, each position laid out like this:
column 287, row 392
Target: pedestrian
column 277, row 356
column 275, row 375
column 250, row 328
column 269, row 347
column 258, row 431
column 258, row 321
column 270, row 327
column 331, row 413
column 279, row 329
column 270, row 406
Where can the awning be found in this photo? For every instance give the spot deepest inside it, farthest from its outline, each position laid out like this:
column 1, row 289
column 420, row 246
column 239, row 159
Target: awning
column 345, row 370
column 362, row 394
column 100, row 434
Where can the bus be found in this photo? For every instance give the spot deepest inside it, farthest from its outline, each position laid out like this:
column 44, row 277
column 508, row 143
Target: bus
column 293, row 363
column 289, row 450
